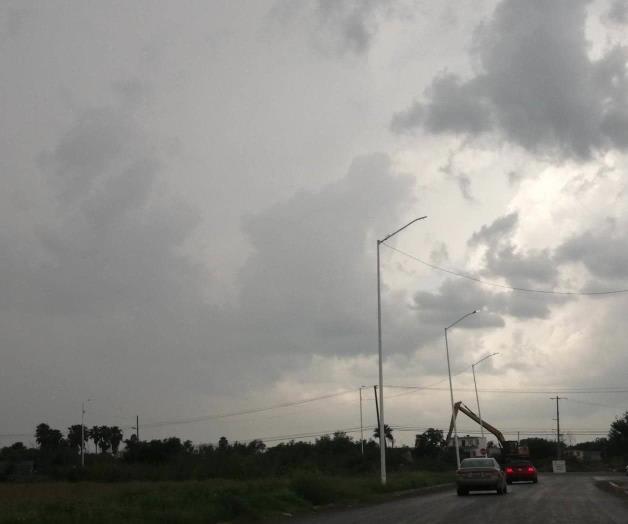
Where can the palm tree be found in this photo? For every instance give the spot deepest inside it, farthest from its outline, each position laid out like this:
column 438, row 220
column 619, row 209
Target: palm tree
column 115, row 437
column 101, row 437
column 75, row 435
column 47, row 437
column 387, row 432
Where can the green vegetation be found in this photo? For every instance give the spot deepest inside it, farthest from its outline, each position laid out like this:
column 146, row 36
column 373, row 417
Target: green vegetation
column 208, row 501
column 173, row 481
column 171, row 459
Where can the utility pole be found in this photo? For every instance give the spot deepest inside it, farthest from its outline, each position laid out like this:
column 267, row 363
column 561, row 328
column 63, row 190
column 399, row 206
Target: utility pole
column 376, row 408
column 557, row 398
column 361, row 424
column 82, row 434
column 137, row 427
column 378, row 419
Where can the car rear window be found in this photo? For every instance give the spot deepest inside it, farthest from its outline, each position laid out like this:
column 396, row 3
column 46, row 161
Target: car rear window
column 520, row 464
column 477, row 463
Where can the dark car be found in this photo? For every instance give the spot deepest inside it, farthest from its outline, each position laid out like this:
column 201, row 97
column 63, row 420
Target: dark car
column 521, row 471
column 480, row 474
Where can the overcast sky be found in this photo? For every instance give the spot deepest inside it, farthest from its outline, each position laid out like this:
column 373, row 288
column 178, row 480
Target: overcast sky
column 192, row 192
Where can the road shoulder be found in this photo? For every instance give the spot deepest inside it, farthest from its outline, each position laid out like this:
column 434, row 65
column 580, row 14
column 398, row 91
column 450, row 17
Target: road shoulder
column 384, row 498
column 616, row 486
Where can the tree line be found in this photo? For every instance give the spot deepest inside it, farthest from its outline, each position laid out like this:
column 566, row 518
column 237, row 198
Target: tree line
column 57, row 455
column 105, row 438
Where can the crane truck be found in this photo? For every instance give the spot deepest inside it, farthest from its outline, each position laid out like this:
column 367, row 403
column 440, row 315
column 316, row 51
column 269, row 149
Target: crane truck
column 507, row 450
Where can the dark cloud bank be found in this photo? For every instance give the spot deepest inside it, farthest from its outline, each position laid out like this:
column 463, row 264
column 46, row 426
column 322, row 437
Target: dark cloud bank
column 536, row 85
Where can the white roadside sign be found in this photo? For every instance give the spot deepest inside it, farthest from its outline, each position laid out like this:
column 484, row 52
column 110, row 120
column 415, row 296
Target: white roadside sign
column 558, row 466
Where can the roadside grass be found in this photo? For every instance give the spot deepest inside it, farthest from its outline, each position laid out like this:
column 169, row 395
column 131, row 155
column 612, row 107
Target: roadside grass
column 207, row 501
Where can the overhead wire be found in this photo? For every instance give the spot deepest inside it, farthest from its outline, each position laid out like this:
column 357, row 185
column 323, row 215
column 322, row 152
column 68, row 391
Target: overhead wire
column 461, row 274
column 596, row 404
column 244, row 412
column 409, row 428
column 575, row 390
column 516, row 391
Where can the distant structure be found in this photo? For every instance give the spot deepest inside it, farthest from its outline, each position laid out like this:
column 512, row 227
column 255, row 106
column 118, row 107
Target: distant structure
column 470, row 446
column 584, row 455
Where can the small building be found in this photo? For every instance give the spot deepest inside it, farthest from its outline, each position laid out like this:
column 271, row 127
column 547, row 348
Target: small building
column 584, row 455
column 470, row 446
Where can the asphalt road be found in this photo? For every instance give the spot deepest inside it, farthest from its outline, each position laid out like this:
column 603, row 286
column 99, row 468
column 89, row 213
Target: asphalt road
column 556, row 499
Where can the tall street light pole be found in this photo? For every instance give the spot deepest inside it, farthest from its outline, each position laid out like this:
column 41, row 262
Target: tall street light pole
column 382, row 436
column 451, row 389
column 83, row 434
column 477, row 398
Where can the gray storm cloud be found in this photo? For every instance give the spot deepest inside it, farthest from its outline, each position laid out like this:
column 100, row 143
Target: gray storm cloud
column 536, row 86
column 204, row 240
column 111, row 245
column 519, row 267
column 618, row 12
column 602, row 250
column 338, row 28
column 306, row 287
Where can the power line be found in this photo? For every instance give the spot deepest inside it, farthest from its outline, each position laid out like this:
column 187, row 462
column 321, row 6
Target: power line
column 403, row 428
column 428, row 386
column 245, row 412
column 625, row 408
column 520, row 391
column 460, row 274
column 592, row 390
column 312, row 434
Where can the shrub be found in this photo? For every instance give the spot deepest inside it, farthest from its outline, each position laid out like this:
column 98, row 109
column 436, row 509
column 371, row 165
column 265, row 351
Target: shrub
column 315, row 489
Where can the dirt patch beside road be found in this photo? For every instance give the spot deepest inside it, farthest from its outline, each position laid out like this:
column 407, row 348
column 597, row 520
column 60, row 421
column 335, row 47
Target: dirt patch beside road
column 616, row 487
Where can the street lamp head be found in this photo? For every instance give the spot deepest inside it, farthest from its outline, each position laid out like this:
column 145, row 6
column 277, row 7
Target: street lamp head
column 483, row 359
column 400, row 229
column 461, row 319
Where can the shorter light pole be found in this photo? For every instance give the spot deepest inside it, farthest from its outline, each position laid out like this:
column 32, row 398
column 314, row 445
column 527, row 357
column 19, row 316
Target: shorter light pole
column 477, row 398
column 451, row 389
column 361, row 424
column 83, row 433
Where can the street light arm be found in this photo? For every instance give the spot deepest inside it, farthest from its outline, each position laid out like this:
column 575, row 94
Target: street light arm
column 400, row 229
column 461, row 319
column 483, row 359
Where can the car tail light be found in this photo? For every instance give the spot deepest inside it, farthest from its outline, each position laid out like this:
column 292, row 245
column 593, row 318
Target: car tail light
column 508, row 470
column 530, row 470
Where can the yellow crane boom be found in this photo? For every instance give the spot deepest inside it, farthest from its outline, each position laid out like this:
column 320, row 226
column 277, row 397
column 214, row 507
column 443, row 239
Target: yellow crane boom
column 459, row 406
